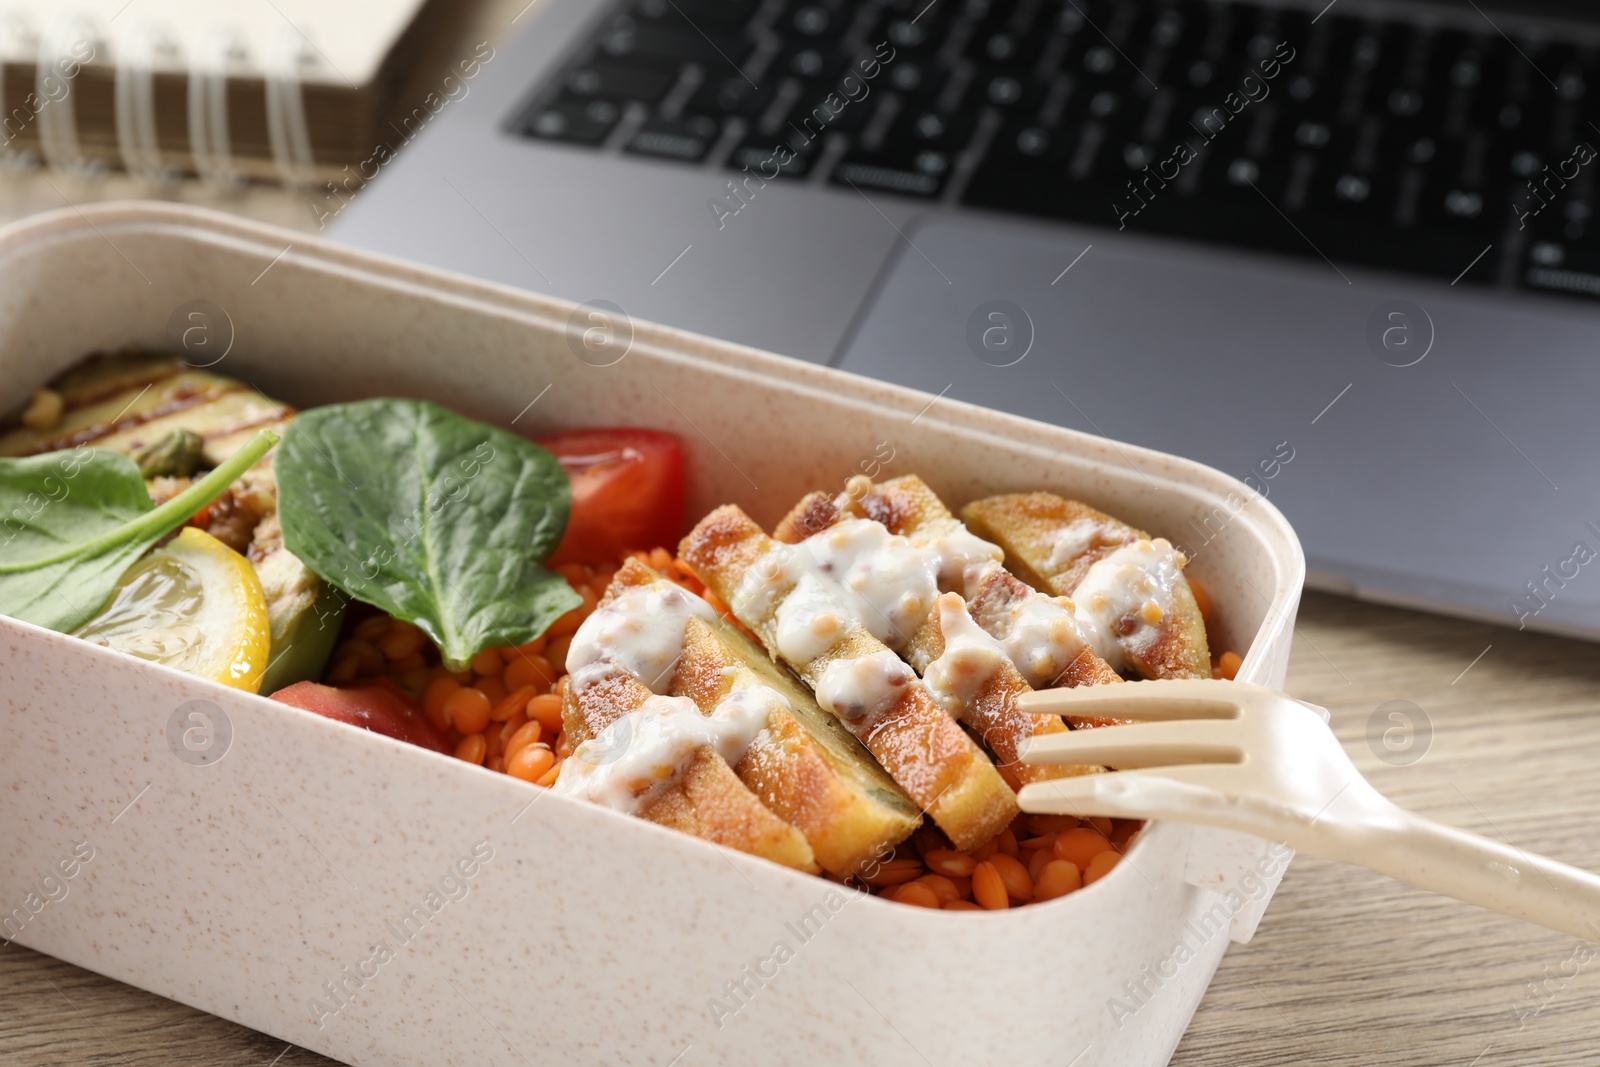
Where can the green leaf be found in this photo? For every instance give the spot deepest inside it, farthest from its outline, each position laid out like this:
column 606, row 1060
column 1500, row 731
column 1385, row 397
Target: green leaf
column 435, row 518
column 73, row 522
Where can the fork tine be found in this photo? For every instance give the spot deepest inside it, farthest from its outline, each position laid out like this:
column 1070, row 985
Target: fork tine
column 1177, row 698
column 1144, row 744
column 1183, row 793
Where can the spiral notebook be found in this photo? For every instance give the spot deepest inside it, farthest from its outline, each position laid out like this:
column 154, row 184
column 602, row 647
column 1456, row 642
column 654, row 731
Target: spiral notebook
column 293, row 90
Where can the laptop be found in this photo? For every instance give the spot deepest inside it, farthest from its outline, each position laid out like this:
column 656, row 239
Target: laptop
column 1344, row 251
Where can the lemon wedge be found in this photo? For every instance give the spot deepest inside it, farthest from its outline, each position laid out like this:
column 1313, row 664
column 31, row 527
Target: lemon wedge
column 194, row 604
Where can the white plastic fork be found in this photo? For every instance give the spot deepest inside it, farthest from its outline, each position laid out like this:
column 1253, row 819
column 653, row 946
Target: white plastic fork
column 1247, row 758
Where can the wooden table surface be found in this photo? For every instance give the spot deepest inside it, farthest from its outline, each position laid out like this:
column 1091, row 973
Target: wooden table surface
column 1347, row 968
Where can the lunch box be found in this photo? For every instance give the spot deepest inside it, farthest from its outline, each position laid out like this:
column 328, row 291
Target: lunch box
column 382, row 904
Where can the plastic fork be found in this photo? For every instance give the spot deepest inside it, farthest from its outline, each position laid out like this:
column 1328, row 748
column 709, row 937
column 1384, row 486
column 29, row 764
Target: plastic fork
column 1247, row 758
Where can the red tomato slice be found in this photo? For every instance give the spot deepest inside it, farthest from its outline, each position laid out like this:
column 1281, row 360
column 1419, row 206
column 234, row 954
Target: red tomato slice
column 627, row 492
column 379, row 706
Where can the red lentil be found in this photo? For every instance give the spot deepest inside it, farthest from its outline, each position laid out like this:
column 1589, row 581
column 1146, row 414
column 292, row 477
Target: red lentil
column 1057, row 879
column 1100, row 866
column 942, row 887
column 530, row 669
column 546, row 710
column 528, row 734
column 989, row 888
column 1080, row 846
column 468, row 710
column 956, row 863
column 513, row 702
column 895, row 872
column 373, row 628
column 472, row 748
column 1019, row 886
column 1049, row 824
column 488, row 661
column 402, row 640
column 492, row 687
column 917, row 895
column 1038, row 859
column 530, row 763
column 556, row 650
column 1229, row 665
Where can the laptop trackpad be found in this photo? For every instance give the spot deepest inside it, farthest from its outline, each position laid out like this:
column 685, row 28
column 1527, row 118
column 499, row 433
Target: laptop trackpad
column 1454, row 479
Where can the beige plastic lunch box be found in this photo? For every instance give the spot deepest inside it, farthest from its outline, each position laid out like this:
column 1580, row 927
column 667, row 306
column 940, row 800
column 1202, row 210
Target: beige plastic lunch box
column 382, row 904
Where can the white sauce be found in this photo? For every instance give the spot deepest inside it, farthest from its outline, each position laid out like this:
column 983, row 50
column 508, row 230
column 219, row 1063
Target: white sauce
column 858, row 573
column 641, row 631
column 965, row 559
column 969, row 659
column 810, row 620
column 858, row 691
column 1043, row 639
column 1135, row 582
column 763, row 582
column 644, row 751
column 887, row 582
column 1078, row 537
column 890, row 582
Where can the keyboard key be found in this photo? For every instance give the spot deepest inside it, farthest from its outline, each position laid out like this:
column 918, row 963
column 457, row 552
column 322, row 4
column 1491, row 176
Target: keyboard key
column 710, row 13
column 1465, row 190
column 1570, row 268
column 813, row 62
column 814, row 21
column 916, row 157
column 686, row 139
column 1561, row 216
column 915, row 130
column 1005, row 48
column 822, row 109
column 1344, row 192
column 573, row 120
column 772, row 158
column 923, row 174
column 1008, row 91
column 716, row 50
column 913, row 30
column 909, row 76
column 1233, row 177
column 732, row 95
column 619, row 82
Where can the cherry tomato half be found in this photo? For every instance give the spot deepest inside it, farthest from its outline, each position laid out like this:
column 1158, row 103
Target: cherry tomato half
column 627, row 492
column 378, row 705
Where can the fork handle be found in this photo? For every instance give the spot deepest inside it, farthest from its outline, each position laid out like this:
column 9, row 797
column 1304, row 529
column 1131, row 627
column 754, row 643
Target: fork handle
column 1454, row 863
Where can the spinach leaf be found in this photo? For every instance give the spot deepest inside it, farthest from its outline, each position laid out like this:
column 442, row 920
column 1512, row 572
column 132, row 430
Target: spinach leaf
column 73, row 522
column 435, row 518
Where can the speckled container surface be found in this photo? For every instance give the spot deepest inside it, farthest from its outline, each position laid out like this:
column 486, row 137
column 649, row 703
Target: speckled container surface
column 386, row 905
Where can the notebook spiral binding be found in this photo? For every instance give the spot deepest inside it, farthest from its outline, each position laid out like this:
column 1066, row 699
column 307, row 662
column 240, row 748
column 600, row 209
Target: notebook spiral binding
column 71, row 40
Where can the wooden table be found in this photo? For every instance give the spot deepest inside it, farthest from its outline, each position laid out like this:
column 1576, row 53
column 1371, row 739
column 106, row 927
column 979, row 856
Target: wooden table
column 1346, row 969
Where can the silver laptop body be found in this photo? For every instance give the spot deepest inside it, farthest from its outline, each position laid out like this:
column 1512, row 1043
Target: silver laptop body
column 1434, row 439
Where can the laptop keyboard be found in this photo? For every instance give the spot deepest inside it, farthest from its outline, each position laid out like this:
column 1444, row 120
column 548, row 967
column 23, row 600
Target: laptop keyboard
column 1458, row 153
